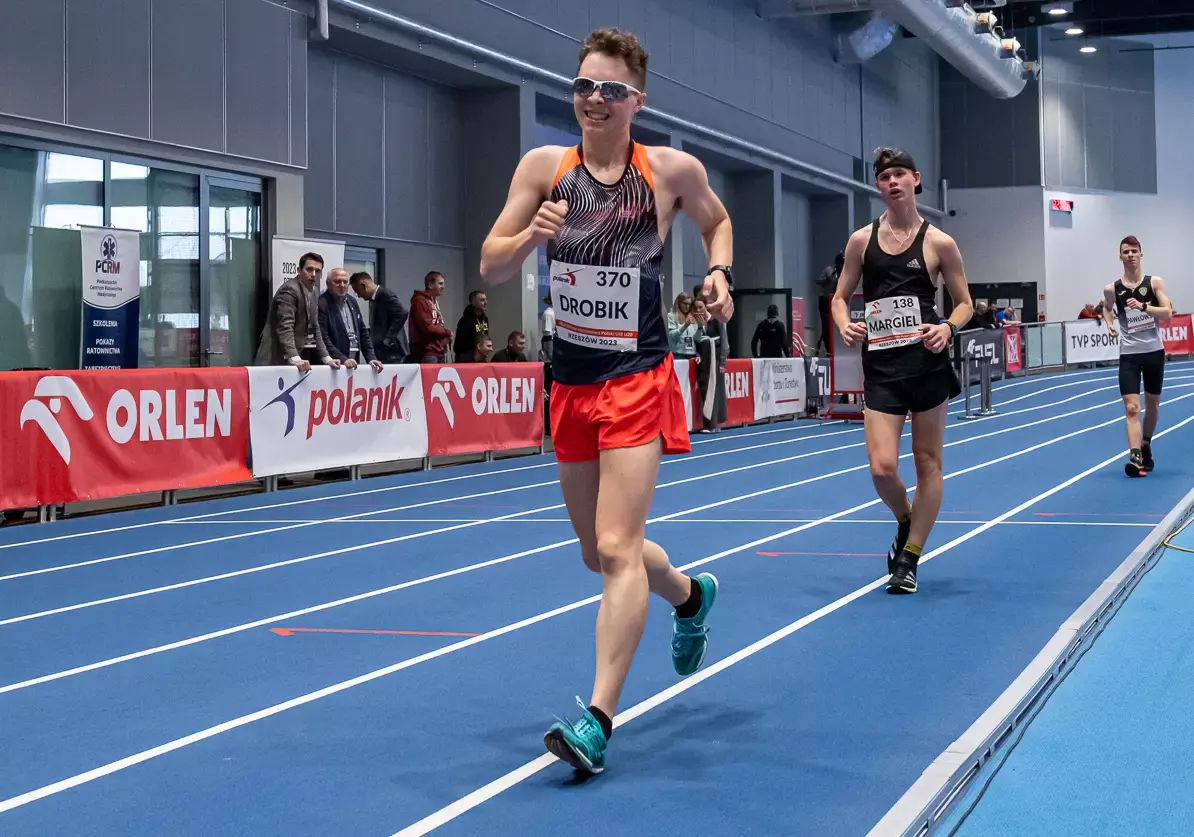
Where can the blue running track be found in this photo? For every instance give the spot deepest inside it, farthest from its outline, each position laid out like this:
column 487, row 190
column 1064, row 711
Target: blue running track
column 383, row 657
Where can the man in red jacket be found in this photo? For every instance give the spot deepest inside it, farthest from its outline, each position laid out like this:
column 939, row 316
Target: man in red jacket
column 429, row 337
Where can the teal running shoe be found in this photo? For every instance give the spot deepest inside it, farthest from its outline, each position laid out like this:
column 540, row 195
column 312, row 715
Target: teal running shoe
column 690, row 637
column 581, row 743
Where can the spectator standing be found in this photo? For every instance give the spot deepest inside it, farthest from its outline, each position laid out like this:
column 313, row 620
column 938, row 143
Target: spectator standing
column 387, row 318
column 291, row 334
column 515, row 351
column 429, row 337
column 343, row 327
column 771, row 337
column 682, row 327
column 473, row 321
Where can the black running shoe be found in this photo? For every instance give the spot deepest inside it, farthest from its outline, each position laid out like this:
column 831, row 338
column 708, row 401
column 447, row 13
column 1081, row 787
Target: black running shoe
column 897, row 546
column 1146, row 456
column 903, row 578
column 1135, row 466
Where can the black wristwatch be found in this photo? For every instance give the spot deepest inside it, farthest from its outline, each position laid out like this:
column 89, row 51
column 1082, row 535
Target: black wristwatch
column 953, row 329
column 724, row 268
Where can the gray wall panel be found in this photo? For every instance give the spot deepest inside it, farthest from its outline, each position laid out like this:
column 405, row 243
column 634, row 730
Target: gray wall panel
column 31, row 39
column 447, row 205
column 108, row 66
column 360, row 138
column 1098, row 133
column 298, row 90
column 188, row 73
column 258, row 81
column 319, row 192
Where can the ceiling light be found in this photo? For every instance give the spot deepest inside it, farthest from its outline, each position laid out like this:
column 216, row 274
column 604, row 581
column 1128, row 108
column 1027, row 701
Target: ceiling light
column 1057, row 11
column 1058, row 8
column 1088, row 49
column 1074, row 30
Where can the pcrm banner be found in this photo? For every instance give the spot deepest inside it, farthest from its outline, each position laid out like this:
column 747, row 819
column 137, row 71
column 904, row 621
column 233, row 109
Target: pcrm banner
column 286, row 252
column 111, row 298
column 483, row 406
column 1012, row 341
column 740, row 387
column 333, row 418
column 1088, row 341
column 91, row 435
column 1176, row 334
column 779, row 387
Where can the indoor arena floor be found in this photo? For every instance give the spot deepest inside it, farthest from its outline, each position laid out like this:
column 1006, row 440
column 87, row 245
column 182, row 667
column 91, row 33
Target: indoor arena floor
column 382, row 657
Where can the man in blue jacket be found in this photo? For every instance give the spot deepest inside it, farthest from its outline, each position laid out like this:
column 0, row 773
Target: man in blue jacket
column 343, row 327
column 387, row 319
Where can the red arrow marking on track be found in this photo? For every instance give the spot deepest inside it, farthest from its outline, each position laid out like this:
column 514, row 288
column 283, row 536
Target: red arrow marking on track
column 847, row 554
column 293, row 631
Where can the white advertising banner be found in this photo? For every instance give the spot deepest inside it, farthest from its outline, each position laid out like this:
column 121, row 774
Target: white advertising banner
column 779, row 387
column 682, row 375
column 1087, row 341
column 333, row 418
column 286, row 252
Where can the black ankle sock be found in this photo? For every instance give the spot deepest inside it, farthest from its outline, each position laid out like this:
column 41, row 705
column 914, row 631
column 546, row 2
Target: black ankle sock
column 607, row 726
column 693, row 604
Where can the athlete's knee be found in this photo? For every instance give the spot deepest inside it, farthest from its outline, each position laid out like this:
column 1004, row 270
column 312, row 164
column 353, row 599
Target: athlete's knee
column 885, row 469
column 591, row 557
column 1133, row 409
column 617, row 552
column 927, row 459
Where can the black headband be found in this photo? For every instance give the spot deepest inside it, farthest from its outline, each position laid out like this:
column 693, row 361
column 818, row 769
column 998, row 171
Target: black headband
column 902, row 160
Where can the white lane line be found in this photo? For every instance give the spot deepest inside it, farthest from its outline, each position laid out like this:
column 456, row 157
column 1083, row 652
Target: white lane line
column 412, row 536
column 729, row 437
column 479, row 796
column 300, row 524
column 504, row 783
column 718, row 520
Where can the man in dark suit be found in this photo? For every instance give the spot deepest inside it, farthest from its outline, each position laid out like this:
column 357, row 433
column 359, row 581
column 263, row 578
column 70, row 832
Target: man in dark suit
column 341, row 322
column 387, row 319
column 291, row 334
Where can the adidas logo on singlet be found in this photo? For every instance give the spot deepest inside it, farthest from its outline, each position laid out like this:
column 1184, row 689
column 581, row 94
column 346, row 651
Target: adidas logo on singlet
column 914, row 263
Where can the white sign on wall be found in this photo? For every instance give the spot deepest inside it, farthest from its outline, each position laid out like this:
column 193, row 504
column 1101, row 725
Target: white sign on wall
column 286, row 253
column 779, row 387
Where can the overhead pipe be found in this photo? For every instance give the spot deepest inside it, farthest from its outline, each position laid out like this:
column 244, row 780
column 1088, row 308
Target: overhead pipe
column 510, row 62
column 322, row 25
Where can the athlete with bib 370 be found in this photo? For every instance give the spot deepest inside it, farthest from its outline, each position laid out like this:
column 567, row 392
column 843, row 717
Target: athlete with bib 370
column 905, row 359
column 603, row 209
column 1136, row 303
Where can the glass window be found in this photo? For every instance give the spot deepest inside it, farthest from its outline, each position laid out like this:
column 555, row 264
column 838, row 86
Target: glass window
column 361, row 260
column 234, row 236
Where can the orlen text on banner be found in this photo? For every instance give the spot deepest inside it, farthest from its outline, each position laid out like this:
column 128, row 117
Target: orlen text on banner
column 111, row 298
column 740, row 402
column 483, row 406
column 334, row 418
column 75, row 436
column 1176, row 334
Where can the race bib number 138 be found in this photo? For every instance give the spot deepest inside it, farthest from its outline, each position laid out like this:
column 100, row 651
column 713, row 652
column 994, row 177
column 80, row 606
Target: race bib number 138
column 892, row 321
column 596, row 306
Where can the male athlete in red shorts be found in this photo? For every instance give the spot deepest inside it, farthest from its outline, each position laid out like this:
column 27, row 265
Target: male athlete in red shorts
column 603, row 210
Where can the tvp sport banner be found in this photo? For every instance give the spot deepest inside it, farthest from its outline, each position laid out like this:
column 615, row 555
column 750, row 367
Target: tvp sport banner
column 111, row 298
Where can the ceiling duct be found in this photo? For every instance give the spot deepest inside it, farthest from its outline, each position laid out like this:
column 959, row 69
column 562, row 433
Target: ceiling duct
column 949, row 31
column 860, row 37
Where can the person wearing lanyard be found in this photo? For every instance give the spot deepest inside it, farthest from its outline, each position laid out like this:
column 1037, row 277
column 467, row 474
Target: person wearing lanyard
column 1137, row 303
column 340, row 320
column 905, row 359
column 603, row 209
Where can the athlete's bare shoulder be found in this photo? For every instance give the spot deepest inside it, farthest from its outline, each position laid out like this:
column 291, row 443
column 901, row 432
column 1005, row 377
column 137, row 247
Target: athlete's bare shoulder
column 860, row 237
column 674, row 167
column 939, row 239
column 539, row 165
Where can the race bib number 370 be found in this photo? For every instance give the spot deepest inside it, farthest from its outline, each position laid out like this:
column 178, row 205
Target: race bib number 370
column 596, row 306
column 892, row 321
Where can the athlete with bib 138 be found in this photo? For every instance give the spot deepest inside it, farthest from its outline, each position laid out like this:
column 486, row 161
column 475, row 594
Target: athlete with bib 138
column 603, row 210
column 1137, row 303
column 905, row 359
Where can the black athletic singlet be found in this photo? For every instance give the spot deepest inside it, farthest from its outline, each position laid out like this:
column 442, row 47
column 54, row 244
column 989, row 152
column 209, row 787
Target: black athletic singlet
column 599, row 335
column 885, row 276
column 1138, row 332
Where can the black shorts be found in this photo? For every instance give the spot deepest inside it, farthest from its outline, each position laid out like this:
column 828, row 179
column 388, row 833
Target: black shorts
column 911, row 395
column 1147, row 365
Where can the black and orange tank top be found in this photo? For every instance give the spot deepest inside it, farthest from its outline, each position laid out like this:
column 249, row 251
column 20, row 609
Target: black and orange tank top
column 605, row 266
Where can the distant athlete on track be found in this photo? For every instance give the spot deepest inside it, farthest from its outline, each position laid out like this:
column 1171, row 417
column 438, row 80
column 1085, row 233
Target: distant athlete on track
column 1136, row 303
column 603, row 209
column 905, row 358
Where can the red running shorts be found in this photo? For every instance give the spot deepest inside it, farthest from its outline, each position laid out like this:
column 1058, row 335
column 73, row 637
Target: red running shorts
column 622, row 412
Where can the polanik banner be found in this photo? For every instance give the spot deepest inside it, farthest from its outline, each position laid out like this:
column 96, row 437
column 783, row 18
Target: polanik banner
column 110, row 336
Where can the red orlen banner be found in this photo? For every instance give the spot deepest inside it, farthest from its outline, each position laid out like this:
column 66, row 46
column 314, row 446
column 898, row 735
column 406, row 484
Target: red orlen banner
column 1176, row 334
column 1012, row 341
column 75, row 436
column 740, row 398
column 475, row 407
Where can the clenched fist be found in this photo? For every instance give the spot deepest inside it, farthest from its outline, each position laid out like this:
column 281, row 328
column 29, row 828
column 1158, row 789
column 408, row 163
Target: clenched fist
column 547, row 221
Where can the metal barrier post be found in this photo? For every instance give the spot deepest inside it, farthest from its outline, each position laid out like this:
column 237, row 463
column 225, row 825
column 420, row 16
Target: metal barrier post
column 966, row 414
column 984, row 377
